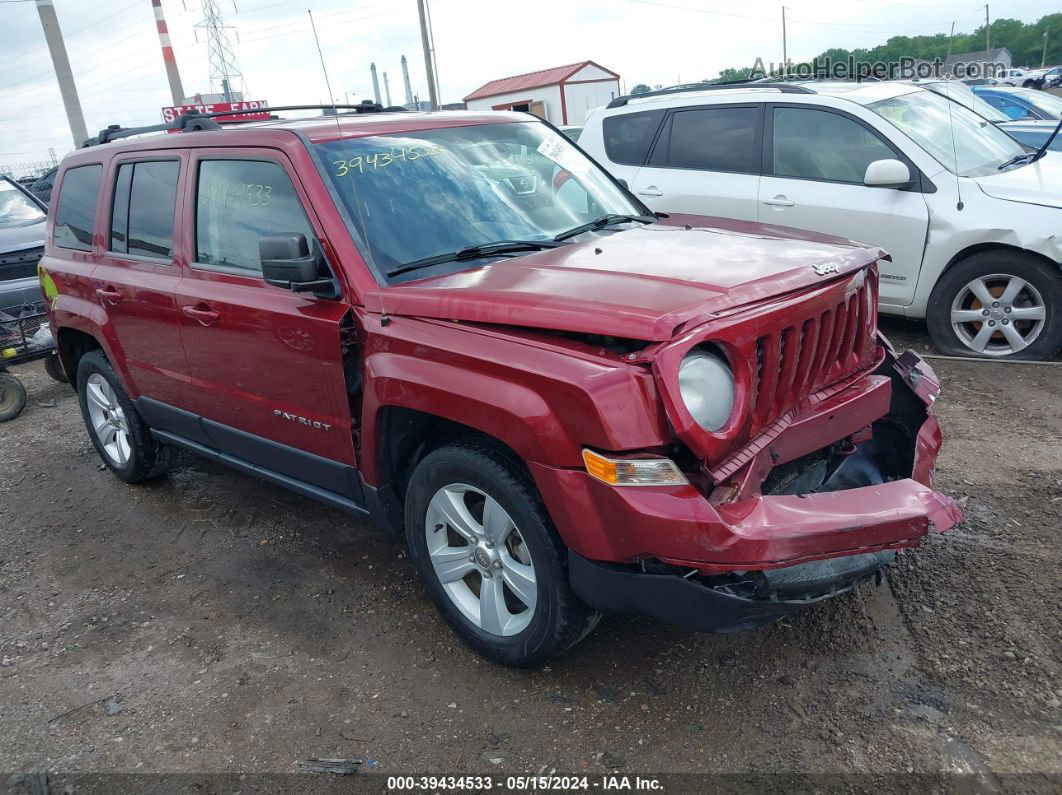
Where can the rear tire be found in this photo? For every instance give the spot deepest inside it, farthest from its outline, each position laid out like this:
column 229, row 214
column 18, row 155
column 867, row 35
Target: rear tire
column 12, row 397
column 498, row 537
column 54, row 368
column 998, row 304
column 119, row 434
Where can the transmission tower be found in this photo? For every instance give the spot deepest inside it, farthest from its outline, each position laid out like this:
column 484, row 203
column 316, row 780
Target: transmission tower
column 224, row 68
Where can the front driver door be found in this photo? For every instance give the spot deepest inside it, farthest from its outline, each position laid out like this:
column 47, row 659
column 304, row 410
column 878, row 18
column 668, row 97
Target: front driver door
column 814, row 165
column 265, row 363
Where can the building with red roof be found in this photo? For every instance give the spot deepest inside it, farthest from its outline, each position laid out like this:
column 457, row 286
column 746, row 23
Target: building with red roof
column 561, row 95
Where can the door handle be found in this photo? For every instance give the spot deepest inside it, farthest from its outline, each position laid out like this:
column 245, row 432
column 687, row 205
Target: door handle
column 652, row 190
column 202, row 313
column 109, row 294
column 779, row 201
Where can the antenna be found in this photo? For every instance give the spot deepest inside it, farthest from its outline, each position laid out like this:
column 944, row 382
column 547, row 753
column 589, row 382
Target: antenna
column 328, row 84
column 222, row 57
column 385, row 319
column 954, row 151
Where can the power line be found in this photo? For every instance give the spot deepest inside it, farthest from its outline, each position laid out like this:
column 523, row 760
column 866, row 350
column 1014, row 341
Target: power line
column 72, row 34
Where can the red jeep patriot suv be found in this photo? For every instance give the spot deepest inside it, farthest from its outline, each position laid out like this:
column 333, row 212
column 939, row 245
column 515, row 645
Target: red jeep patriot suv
column 460, row 327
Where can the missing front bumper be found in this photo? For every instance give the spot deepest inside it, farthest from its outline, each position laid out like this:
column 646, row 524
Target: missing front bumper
column 699, row 605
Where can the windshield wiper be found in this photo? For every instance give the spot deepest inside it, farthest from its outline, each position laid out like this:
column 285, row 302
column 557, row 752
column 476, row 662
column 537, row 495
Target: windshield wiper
column 602, row 222
column 475, row 252
column 1047, row 144
column 1024, row 157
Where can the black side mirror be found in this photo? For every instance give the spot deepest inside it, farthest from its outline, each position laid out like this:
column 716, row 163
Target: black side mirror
column 287, row 262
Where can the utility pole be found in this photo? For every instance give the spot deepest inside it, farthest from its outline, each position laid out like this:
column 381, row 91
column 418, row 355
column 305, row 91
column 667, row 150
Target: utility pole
column 988, row 38
column 432, row 93
column 785, row 48
column 172, row 75
column 54, row 36
column 1043, row 58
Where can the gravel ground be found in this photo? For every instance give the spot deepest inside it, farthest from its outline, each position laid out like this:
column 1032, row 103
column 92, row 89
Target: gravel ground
column 209, row 622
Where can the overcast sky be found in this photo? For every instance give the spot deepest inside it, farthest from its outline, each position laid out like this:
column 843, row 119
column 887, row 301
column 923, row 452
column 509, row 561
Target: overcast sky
column 114, row 49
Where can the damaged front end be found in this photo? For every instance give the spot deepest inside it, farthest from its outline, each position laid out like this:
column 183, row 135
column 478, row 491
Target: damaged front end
column 816, row 502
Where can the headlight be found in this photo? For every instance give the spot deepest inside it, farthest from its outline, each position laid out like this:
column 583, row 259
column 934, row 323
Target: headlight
column 707, row 388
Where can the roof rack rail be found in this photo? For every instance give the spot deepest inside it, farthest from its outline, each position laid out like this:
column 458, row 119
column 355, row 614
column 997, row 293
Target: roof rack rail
column 193, row 120
column 785, row 88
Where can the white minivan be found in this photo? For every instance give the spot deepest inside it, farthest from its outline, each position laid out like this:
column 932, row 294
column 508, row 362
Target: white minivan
column 973, row 225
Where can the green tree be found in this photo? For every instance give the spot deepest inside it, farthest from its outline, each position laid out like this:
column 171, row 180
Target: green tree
column 641, row 88
column 1025, row 42
column 728, row 75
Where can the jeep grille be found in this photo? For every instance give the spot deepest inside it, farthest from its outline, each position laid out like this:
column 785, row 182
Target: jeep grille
column 796, row 360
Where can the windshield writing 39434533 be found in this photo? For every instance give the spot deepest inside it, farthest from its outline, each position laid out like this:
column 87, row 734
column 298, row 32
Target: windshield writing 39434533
column 385, row 158
column 413, row 196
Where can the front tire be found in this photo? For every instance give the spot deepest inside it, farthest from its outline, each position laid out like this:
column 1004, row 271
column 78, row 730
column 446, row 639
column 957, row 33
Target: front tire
column 490, row 557
column 998, row 304
column 120, row 436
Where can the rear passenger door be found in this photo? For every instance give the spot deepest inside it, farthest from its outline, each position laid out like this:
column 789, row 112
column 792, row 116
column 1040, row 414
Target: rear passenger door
column 706, row 161
column 265, row 363
column 136, row 275
column 814, row 163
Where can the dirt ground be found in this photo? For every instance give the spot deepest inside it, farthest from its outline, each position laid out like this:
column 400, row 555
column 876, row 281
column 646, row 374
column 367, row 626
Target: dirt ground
column 209, row 622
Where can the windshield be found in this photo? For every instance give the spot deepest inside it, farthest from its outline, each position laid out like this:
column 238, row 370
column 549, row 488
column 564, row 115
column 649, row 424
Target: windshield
column 1042, row 100
column 414, row 195
column 17, row 209
column 963, row 142
column 963, row 95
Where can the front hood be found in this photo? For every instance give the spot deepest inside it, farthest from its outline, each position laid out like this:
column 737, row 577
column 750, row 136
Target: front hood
column 640, row 283
column 1038, row 183
column 17, row 238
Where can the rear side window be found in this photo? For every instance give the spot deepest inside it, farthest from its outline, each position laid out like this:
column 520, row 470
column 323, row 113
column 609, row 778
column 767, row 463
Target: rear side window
column 239, row 201
column 145, row 196
column 716, row 139
column 629, row 136
column 75, row 213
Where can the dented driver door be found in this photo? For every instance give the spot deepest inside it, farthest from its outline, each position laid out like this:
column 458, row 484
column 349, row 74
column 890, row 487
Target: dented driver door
column 265, row 363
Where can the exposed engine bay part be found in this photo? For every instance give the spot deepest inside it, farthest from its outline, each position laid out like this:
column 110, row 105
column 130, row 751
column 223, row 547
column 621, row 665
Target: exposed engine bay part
column 850, row 463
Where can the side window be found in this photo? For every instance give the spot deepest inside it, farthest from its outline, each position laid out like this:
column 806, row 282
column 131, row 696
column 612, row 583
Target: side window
column 239, row 201
column 716, row 139
column 152, row 199
column 120, row 209
column 628, row 136
column 145, row 196
column 817, row 144
column 75, row 214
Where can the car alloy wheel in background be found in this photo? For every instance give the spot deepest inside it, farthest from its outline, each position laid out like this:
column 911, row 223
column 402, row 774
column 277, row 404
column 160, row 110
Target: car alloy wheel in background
column 998, row 304
column 998, row 314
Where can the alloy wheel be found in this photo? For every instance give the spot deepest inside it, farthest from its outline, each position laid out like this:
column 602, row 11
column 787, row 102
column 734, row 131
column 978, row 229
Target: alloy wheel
column 481, row 559
column 108, row 420
column 998, row 315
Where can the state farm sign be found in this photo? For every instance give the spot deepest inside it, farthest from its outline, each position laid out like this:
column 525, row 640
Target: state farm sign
column 258, row 110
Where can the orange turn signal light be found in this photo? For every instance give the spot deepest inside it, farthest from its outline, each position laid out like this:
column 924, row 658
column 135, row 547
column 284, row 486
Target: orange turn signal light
column 633, row 471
